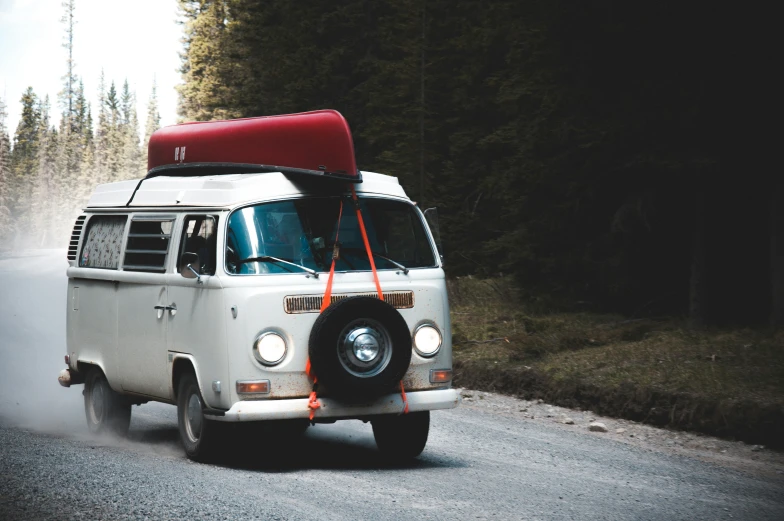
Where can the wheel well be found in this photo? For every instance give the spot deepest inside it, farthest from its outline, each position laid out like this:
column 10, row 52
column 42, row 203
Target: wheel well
column 182, row 366
column 82, row 368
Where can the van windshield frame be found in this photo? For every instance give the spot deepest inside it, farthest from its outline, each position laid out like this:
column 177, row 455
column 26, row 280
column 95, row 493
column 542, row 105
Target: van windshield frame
column 303, row 230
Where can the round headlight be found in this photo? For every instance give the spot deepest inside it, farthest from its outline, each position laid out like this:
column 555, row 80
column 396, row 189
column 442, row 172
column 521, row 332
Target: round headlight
column 427, row 340
column 269, row 348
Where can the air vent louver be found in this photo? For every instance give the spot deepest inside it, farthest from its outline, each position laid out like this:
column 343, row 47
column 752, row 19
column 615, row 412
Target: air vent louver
column 312, row 303
column 75, row 235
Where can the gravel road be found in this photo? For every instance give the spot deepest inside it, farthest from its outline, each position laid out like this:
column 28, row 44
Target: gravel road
column 495, row 457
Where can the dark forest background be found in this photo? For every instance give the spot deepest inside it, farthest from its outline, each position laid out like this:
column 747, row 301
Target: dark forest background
column 607, row 155
column 599, row 152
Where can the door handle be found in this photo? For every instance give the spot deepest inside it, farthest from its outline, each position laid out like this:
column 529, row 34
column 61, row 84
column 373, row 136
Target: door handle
column 172, row 309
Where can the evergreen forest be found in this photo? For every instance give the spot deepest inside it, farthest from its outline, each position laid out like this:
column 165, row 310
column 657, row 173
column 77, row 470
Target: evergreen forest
column 596, row 152
column 48, row 169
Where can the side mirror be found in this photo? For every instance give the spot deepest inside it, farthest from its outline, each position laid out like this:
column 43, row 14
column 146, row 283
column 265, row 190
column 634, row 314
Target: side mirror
column 187, row 266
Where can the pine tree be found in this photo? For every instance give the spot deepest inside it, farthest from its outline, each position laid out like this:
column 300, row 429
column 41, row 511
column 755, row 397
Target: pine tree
column 88, row 175
column 114, row 135
column 205, row 93
column 6, row 222
column 24, row 160
column 153, row 119
column 70, row 81
column 102, row 136
column 131, row 167
column 64, row 192
column 43, row 210
column 84, row 174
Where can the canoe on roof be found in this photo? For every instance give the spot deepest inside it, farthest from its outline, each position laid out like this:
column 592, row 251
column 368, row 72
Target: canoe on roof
column 310, row 143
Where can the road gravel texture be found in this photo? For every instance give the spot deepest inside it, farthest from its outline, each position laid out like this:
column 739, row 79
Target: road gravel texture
column 494, row 457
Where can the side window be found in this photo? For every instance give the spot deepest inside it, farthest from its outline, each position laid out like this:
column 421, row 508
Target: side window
column 148, row 244
column 101, row 248
column 199, row 236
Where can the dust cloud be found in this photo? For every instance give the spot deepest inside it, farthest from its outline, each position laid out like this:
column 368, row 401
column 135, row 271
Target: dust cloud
column 33, row 288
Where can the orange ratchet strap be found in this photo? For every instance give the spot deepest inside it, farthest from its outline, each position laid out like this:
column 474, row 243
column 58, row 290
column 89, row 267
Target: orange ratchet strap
column 327, row 300
column 405, row 400
column 367, row 243
column 313, row 402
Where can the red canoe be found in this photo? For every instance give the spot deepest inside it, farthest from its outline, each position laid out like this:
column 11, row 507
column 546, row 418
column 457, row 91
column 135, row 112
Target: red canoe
column 315, row 143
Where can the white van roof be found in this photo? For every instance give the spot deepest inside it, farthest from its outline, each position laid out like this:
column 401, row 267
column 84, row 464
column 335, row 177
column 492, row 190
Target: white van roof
column 220, row 190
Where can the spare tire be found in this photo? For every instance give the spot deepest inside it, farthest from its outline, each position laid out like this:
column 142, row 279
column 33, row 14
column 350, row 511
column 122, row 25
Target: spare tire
column 360, row 348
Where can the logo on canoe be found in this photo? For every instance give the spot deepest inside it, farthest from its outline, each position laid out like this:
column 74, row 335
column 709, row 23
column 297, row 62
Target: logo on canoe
column 179, row 154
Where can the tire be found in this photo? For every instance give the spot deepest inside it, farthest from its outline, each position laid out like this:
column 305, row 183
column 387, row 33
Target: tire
column 354, row 329
column 403, row 436
column 106, row 411
column 199, row 436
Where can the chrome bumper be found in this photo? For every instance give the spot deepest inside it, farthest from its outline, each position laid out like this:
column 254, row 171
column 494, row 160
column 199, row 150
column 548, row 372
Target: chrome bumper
column 257, row 410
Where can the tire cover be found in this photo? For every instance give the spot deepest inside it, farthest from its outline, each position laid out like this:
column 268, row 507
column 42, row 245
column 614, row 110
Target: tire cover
column 327, row 338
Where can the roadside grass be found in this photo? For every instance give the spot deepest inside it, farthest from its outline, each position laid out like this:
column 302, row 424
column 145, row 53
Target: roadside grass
column 493, row 332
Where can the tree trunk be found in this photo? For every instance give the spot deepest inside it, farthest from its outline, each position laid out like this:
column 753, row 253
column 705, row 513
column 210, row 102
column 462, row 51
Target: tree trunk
column 777, row 255
column 422, row 110
column 696, row 281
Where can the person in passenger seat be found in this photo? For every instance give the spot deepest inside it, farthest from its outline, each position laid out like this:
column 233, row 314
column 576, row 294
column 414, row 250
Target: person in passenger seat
column 291, row 233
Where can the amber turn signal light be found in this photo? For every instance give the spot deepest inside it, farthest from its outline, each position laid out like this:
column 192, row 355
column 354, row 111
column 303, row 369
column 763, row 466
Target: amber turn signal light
column 253, row 386
column 439, row 376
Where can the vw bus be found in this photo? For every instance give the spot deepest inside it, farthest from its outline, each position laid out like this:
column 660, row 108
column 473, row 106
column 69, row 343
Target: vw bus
column 255, row 275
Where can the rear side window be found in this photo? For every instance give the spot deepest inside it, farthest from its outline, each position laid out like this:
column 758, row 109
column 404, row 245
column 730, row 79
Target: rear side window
column 103, row 242
column 148, row 244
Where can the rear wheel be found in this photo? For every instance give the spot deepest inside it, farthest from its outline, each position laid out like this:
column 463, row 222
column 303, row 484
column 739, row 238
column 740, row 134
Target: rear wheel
column 107, row 411
column 403, row 436
column 198, row 435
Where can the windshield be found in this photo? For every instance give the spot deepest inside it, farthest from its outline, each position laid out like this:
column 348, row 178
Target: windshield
column 302, row 231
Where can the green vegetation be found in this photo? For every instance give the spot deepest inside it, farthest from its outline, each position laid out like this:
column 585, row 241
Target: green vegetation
column 609, row 350
column 662, row 370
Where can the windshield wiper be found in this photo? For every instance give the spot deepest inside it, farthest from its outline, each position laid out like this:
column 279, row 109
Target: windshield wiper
column 394, row 263
column 267, row 258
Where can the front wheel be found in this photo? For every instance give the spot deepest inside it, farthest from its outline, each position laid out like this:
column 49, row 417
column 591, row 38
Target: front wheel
column 403, row 436
column 198, row 435
column 107, row 411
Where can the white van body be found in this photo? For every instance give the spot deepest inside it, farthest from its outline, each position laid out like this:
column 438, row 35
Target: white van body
column 143, row 328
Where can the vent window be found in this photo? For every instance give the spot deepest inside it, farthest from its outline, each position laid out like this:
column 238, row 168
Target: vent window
column 148, row 245
column 103, row 242
column 73, row 246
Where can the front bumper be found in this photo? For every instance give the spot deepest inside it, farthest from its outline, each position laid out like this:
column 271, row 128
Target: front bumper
column 291, row 409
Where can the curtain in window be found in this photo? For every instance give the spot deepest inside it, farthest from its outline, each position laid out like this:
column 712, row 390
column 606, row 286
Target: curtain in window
column 104, row 240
